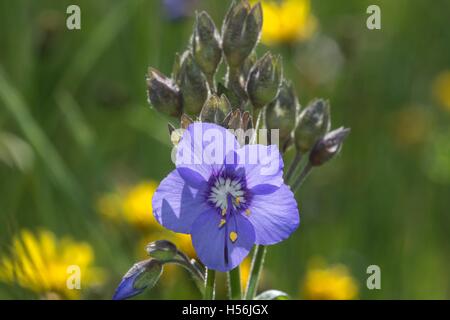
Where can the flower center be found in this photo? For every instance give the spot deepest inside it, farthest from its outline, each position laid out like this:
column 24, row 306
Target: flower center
column 224, row 187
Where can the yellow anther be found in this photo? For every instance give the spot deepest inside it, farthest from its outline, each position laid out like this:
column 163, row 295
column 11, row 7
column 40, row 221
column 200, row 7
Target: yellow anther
column 222, row 222
column 238, row 200
column 233, row 236
column 247, row 212
column 224, row 211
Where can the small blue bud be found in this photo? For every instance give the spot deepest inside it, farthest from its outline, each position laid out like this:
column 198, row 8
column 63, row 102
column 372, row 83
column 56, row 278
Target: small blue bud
column 327, row 147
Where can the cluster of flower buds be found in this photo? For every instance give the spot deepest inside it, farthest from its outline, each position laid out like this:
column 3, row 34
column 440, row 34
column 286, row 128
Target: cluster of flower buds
column 145, row 274
column 192, row 91
column 252, row 87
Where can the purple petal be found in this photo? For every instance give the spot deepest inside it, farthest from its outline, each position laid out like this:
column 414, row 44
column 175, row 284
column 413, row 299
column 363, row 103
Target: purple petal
column 263, row 167
column 192, row 178
column 204, row 147
column 213, row 244
column 176, row 204
column 274, row 216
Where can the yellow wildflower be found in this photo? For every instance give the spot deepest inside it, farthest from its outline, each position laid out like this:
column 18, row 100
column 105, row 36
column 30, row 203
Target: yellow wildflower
column 441, row 89
column 329, row 283
column 287, row 21
column 40, row 262
column 131, row 205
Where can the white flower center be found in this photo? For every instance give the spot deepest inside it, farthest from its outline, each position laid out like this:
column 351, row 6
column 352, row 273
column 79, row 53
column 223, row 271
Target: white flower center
column 224, row 187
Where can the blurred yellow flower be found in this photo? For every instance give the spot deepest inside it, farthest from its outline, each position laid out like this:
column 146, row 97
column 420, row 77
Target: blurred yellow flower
column 329, row 283
column 133, row 205
column 39, row 262
column 130, row 204
column 287, row 21
column 441, row 89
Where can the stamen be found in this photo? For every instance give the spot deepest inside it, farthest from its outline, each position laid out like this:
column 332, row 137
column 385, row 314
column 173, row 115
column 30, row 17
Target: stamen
column 222, row 222
column 247, row 212
column 238, row 200
column 224, row 211
column 233, row 236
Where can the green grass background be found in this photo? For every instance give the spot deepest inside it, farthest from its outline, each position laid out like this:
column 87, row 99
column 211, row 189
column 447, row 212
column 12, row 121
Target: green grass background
column 78, row 98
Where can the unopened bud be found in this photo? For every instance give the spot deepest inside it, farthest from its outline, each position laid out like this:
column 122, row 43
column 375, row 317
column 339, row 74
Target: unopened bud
column 142, row 275
column 215, row 109
column 193, row 86
column 327, row 147
column 241, row 31
column 281, row 113
column 163, row 94
column 162, row 250
column 313, row 123
column 264, row 80
column 206, row 44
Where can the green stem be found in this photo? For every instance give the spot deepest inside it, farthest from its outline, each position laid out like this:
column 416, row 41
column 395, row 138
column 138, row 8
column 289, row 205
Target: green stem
column 293, row 166
column 209, row 284
column 234, row 284
column 196, row 275
column 255, row 272
column 256, row 125
column 301, row 178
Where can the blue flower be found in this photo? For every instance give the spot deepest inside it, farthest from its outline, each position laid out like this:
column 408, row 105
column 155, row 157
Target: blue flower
column 227, row 197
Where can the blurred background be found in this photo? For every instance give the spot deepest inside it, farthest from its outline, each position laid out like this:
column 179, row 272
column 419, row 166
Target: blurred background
column 81, row 151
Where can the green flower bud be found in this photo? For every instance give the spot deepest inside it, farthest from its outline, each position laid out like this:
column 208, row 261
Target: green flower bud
column 193, row 86
column 313, row 123
column 215, row 109
column 281, row 113
column 248, row 64
column 206, row 44
column 241, row 31
column 149, row 273
column 327, row 147
column 163, row 94
column 264, row 80
column 162, row 250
